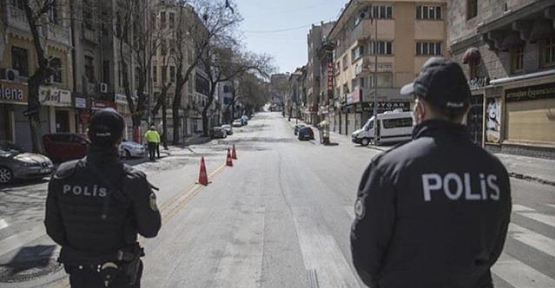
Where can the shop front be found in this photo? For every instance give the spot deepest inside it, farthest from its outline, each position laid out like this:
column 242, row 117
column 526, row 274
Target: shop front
column 83, row 113
column 122, row 106
column 13, row 97
column 58, row 106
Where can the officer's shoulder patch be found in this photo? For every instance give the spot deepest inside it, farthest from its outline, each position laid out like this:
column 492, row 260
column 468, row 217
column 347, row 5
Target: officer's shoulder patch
column 66, row 169
column 152, row 202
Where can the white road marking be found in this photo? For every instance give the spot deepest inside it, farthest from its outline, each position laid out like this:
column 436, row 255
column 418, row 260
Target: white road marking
column 3, row 224
column 241, row 263
column 551, row 205
column 533, row 239
column 320, row 251
column 545, row 219
column 521, row 208
column 519, row 274
column 17, row 240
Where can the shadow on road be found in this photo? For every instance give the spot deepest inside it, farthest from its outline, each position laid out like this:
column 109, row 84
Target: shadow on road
column 29, row 263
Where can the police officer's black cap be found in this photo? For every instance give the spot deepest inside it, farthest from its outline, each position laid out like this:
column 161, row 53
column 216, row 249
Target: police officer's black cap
column 442, row 83
column 106, row 127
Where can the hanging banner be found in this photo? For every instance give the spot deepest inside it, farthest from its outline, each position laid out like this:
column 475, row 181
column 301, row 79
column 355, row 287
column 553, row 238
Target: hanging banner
column 493, row 120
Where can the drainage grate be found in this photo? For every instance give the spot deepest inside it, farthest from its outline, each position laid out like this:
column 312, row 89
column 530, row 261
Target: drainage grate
column 29, row 270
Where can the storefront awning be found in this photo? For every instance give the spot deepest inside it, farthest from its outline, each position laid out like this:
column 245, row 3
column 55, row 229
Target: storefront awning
column 472, row 56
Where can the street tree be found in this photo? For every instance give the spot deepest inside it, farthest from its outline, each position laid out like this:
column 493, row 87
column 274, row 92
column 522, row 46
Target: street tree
column 250, row 90
column 138, row 32
column 40, row 15
column 225, row 62
column 200, row 23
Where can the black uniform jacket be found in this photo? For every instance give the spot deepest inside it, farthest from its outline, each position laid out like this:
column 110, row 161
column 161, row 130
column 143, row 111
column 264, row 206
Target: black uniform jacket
column 77, row 201
column 433, row 212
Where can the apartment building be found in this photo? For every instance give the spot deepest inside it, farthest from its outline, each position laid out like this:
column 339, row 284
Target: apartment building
column 296, row 98
column 315, row 38
column 507, row 48
column 379, row 47
column 19, row 61
column 173, row 15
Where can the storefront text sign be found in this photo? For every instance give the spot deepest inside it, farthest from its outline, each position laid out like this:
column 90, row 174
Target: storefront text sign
column 544, row 91
column 80, row 102
column 121, row 99
column 15, row 93
column 330, row 76
column 100, row 104
column 51, row 96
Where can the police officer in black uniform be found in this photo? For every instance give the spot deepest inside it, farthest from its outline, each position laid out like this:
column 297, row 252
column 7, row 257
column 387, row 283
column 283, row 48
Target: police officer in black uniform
column 95, row 208
column 433, row 212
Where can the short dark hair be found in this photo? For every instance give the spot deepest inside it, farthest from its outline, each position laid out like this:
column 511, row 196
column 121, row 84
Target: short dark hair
column 450, row 113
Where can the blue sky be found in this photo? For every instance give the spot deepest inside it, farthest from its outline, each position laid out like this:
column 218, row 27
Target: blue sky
column 279, row 28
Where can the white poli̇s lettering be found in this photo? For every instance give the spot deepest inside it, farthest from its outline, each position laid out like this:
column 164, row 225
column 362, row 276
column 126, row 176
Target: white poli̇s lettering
column 452, row 177
column 492, row 185
column 468, row 189
column 427, row 186
column 66, row 188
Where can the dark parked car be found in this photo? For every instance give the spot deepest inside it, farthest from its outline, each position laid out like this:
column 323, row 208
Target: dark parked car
column 297, row 127
column 306, row 133
column 15, row 163
column 62, row 147
column 217, row 132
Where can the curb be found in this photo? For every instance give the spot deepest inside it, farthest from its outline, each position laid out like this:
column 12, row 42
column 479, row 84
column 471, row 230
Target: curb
column 531, row 178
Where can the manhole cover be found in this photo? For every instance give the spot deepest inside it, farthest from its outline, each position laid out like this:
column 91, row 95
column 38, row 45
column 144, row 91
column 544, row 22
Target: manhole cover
column 25, row 271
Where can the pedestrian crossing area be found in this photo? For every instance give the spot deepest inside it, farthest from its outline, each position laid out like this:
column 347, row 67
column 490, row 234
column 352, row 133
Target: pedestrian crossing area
column 512, row 270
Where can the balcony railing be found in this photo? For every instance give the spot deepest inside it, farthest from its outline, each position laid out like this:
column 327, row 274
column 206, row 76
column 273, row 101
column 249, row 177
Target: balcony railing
column 362, row 31
column 16, row 18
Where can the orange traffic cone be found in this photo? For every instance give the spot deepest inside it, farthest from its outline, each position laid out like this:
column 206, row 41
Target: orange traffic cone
column 229, row 162
column 233, row 154
column 202, row 177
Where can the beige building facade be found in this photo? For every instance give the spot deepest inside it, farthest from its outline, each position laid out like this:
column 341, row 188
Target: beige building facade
column 18, row 62
column 379, row 47
column 508, row 52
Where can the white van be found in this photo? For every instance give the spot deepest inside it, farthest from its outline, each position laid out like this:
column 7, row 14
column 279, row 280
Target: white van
column 393, row 126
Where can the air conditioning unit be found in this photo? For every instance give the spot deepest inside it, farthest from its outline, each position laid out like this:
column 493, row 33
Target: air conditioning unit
column 103, row 88
column 9, row 74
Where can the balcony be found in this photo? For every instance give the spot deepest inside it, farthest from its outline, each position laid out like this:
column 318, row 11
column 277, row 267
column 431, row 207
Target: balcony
column 16, row 18
column 362, row 31
column 90, row 35
column 60, row 34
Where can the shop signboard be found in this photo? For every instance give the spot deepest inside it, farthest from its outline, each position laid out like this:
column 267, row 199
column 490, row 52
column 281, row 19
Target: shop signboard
column 52, row 96
column 80, row 103
column 121, row 99
column 101, row 104
column 383, row 106
column 13, row 92
column 536, row 92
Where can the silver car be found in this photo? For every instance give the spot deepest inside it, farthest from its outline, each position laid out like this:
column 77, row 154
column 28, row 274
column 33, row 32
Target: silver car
column 15, row 163
column 130, row 149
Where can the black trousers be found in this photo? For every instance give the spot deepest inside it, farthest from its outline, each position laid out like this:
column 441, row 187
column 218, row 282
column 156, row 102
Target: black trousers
column 87, row 277
column 151, row 149
column 158, row 149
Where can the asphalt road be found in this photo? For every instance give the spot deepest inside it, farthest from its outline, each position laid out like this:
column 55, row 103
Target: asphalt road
column 280, row 217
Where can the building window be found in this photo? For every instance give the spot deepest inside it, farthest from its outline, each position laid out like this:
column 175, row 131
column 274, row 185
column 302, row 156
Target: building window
column 382, row 12
column 88, row 17
column 19, row 4
column 548, row 52
column 56, row 65
column 357, row 53
column 172, row 74
column 428, row 48
column 227, row 89
column 172, row 20
column 190, row 86
column 163, row 47
column 474, row 70
column 382, row 47
column 163, row 20
column 517, row 59
column 154, row 74
column 20, row 61
column 428, row 12
column 345, row 62
column 471, row 9
column 89, row 68
column 53, row 13
column 164, row 74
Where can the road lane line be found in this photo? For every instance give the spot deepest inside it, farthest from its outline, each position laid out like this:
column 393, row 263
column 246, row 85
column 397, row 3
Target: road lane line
column 533, row 239
column 3, row 224
column 351, row 211
column 241, row 263
column 521, row 208
column 17, row 240
column 545, row 219
column 519, row 274
column 551, row 205
column 320, row 251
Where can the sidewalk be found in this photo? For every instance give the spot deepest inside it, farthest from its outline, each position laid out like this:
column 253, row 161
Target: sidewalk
column 520, row 167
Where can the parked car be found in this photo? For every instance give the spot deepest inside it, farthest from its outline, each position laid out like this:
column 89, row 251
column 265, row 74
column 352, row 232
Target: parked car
column 297, row 128
column 237, row 123
column 130, row 149
column 217, row 132
column 306, row 133
column 15, row 163
column 228, row 129
column 62, row 147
